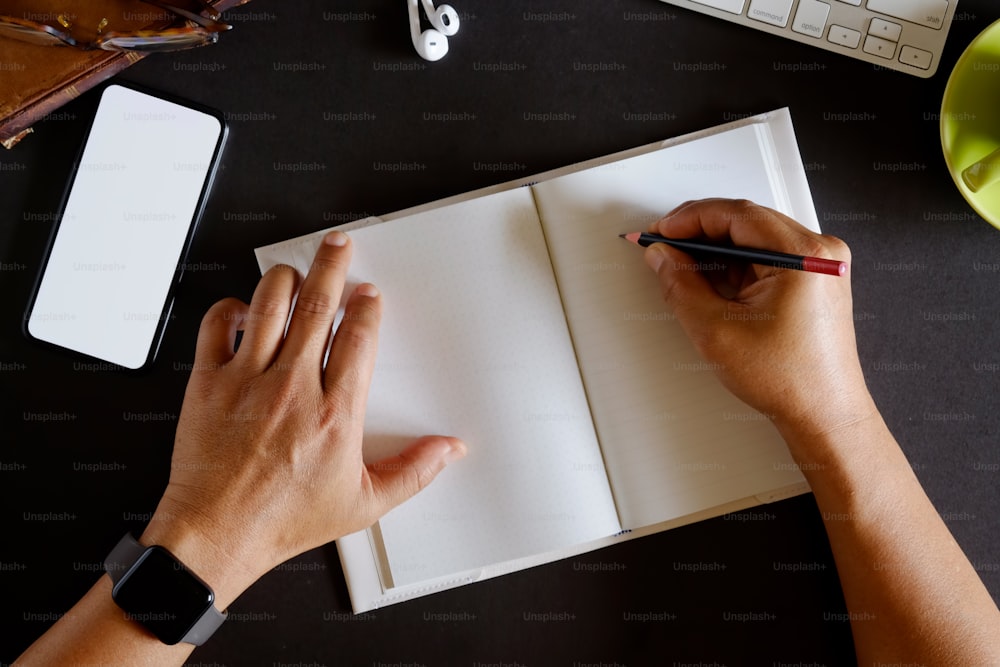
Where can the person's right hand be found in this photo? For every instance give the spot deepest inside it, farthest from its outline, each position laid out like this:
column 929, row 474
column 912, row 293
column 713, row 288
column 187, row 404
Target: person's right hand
column 782, row 340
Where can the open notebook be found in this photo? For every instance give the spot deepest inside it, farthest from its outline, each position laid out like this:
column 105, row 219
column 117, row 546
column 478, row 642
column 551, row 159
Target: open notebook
column 516, row 319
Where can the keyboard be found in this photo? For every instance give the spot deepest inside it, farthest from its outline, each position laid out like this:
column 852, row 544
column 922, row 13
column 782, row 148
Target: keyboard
column 903, row 35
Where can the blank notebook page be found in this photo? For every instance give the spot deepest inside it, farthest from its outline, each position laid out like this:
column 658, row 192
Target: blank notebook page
column 474, row 343
column 674, row 440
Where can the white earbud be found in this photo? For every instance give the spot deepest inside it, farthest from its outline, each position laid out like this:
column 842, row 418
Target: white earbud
column 432, row 44
column 443, row 18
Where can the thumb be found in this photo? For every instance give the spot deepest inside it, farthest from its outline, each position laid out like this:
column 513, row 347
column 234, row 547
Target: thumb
column 398, row 478
column 685, row 288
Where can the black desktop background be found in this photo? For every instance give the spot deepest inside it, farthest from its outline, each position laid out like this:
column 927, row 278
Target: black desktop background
column 319, row 101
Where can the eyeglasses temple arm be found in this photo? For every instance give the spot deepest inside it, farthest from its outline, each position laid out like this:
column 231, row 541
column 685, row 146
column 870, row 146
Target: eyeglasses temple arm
column 212, row 21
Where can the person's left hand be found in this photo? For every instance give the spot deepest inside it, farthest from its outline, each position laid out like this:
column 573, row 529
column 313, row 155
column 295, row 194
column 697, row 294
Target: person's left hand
column 267, row 461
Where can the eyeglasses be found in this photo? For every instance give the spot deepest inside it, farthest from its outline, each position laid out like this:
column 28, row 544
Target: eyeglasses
column 199, row 31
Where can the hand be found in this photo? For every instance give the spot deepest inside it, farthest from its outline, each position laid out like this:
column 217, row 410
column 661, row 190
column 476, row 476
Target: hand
column 783, row 340
column 267, row 461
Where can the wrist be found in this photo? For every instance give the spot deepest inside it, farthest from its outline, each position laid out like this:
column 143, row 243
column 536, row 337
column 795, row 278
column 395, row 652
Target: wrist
column 832, row 397
column 202, row 553
column 828, row 424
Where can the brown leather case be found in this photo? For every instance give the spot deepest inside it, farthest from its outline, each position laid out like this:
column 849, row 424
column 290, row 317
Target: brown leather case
column 36, row 80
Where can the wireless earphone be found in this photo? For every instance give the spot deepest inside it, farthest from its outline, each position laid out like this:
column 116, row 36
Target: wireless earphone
column 432, row 44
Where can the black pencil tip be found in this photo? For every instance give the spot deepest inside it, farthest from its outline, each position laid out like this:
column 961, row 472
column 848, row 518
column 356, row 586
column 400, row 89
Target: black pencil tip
column 621, row 236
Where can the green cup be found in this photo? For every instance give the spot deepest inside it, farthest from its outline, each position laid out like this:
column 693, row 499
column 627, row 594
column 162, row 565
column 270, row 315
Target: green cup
column 970, row 124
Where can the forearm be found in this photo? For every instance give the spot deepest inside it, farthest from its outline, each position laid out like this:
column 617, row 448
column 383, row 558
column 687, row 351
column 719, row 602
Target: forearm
column 96, row 632
column 912, row 595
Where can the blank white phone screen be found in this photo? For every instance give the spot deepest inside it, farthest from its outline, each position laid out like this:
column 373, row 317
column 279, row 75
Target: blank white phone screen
column 124, row 227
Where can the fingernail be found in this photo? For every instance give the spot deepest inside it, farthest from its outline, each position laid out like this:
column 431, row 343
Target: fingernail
column 456, row 451
column 654, row 257
column 335, row 239
column 367, row 289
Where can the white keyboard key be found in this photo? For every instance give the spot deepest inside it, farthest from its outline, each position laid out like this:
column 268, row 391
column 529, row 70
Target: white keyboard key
column 928, row 13
column 811, row 17
column 885, row 29
column 844, row 36
column 917, row 57
column 732, row 6
column 774, row 12
column 872, row 31
column 880, row 47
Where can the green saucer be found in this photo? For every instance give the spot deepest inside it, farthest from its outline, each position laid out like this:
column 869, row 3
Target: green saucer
column 970, row 118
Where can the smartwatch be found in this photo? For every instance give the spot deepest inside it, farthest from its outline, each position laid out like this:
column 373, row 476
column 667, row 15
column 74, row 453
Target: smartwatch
column 157, row 590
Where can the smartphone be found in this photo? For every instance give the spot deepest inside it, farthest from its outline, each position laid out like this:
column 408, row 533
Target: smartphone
column 117, row 252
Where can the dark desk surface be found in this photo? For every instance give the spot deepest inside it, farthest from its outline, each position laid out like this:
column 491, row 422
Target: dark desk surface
column 926, row 301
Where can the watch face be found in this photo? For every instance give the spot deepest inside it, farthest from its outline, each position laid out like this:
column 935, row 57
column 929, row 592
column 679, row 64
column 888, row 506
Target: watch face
column 159, row 592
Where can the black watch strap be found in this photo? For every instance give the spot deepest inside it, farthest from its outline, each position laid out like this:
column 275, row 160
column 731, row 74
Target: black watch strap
column 120, row 561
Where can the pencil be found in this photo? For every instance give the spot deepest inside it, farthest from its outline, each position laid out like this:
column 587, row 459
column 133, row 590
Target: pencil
column 781, row 260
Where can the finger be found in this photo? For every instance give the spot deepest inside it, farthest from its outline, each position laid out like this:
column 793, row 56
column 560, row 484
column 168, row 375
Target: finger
column 217, row 334
column 654, row 226
column 742, row 223
column 687, row 291
column 352, row 353
column 264, row 323
column 318, row 299
column 676, row 210
column 726, row 277
column 401, row 477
